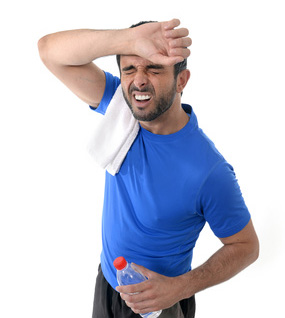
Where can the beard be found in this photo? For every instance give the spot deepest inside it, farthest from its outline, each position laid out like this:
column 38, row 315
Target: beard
column 162, row 103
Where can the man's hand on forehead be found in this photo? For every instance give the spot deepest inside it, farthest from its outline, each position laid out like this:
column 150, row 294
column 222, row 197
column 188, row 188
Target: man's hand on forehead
column 162, row 42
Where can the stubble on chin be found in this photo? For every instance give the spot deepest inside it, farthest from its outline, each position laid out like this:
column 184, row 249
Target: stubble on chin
column 161, row 106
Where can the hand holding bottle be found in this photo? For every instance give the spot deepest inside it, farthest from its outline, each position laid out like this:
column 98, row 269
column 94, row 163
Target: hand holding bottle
column 157, row 292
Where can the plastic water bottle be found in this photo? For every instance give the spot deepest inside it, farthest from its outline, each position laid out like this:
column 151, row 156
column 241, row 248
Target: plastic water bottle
column 126, row 275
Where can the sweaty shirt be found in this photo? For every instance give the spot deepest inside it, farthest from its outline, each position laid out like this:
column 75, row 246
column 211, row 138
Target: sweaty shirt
column 168, row 187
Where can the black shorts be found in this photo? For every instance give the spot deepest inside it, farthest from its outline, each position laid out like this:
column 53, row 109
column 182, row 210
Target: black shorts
column 108, row 304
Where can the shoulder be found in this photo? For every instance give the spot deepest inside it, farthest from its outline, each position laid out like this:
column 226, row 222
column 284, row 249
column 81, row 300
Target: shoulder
column 202, row 147
column 112, row 83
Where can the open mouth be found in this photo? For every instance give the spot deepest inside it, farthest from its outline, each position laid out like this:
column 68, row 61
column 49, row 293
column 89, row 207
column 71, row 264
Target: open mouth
column 142, row 98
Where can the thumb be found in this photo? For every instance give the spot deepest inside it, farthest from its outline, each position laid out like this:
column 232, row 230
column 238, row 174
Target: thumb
column 146, row 272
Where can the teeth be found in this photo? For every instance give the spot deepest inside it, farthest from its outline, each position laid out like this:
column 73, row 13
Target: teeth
column 142, row 97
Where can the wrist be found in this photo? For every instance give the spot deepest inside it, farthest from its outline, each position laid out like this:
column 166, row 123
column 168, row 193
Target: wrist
column 186, row 286
column 122, row 42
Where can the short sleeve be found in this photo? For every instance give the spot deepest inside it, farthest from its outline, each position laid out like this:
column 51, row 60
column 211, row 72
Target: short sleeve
column 221, row 203
column 112, row 83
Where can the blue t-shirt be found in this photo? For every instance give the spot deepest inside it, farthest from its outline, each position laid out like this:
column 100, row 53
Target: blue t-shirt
column 167, row 188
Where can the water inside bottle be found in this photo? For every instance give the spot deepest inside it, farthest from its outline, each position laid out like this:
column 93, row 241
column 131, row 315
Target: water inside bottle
column 152, row 314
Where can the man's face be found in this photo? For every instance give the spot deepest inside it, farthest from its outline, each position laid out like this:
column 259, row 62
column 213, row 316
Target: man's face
column 149, row 89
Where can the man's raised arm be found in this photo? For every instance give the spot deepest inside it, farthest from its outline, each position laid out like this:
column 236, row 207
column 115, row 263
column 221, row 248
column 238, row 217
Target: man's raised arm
column 69, row 55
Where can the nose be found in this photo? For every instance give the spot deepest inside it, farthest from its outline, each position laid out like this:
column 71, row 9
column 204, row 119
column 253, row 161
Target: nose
column 140, row 79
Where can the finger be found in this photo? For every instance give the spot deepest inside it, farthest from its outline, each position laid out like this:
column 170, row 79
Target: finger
column 169, row 61
column 128, row 304
column 171, row 24
column 133, row 299
column 182, row 42
column 138, row 307
column 146, row 272
column 180, row 53
column 143, row 307
column 177, row 33
column 131, row 289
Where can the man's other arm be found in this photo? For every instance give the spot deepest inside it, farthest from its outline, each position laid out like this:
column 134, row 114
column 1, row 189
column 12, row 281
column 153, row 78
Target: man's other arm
column 160, row 292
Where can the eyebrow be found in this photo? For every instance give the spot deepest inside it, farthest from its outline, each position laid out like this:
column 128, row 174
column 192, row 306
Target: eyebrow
column 150, row 66
column 128, row 68
column 155, row 67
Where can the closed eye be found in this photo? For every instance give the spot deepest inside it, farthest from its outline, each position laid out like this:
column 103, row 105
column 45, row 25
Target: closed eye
column 128, row 69
column 155, row 68
column 155, row 72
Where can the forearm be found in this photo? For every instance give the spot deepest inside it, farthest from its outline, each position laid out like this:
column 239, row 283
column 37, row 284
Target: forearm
column 69, row 55
column 161, row 43
column 159, row 292
column 81, row 47
column 223, row 265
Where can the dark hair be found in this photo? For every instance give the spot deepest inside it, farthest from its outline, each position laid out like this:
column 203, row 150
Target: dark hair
column 178, row 67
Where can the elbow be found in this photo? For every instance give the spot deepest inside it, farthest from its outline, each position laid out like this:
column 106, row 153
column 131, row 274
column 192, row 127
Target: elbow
column 44, row 50
column 42, row 47
column 254, row 251
column 253, row 246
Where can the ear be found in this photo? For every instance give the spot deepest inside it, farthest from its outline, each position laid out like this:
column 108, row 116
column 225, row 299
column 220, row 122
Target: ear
column 182, row 80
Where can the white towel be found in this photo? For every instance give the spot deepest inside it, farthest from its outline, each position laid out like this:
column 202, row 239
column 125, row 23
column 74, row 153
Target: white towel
column 114, row 134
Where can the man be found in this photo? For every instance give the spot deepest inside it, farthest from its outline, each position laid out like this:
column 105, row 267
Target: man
column 172, row 180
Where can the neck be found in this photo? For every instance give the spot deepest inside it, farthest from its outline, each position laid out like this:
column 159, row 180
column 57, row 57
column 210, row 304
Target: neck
column 173, row 120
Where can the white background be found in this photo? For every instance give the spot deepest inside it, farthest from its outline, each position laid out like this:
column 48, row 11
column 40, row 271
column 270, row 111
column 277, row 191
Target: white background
column 51, row 190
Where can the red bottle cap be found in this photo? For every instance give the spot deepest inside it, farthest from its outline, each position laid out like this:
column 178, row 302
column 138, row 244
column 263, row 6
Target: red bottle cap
column 120, row 263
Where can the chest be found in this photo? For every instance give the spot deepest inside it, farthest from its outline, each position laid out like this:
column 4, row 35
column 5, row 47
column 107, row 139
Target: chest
column 161, row 181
